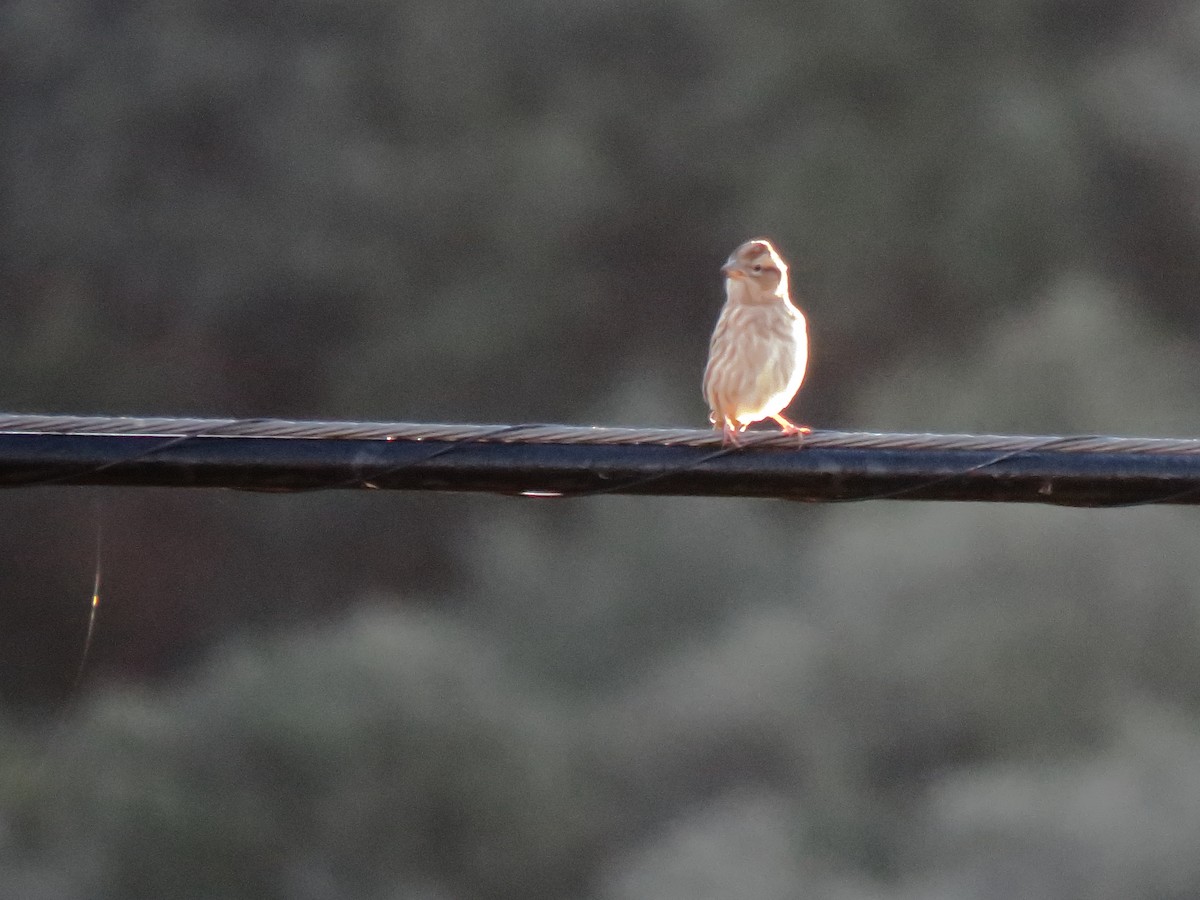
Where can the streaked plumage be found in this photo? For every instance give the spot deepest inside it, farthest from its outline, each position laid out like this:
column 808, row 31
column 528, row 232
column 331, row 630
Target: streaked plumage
column 759, row 348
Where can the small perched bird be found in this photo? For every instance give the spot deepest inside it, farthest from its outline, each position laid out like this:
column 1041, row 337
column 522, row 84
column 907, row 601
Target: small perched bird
column 759, row 348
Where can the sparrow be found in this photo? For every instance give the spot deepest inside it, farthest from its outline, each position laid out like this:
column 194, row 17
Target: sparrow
column 759, row 349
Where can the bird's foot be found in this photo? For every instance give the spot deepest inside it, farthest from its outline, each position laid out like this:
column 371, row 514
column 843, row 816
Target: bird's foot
column 792, row 427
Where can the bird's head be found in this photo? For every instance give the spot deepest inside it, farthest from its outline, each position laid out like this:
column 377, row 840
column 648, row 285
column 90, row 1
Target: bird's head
column 759, row 266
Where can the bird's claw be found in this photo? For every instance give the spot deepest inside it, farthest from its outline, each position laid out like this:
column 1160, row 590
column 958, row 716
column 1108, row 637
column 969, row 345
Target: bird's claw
column 792, row 428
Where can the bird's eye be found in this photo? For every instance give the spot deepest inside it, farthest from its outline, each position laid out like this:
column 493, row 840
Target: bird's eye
column 758, row 267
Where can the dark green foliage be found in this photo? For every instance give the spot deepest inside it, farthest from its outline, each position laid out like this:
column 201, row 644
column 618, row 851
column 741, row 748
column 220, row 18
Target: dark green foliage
column 396, row 751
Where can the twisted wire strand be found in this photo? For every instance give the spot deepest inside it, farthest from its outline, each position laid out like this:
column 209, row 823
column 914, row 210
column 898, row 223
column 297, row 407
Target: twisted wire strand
column 574, row 434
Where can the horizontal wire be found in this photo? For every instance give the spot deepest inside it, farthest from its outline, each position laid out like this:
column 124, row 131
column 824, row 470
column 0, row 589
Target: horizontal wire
column 572, row 461
column 573, row 434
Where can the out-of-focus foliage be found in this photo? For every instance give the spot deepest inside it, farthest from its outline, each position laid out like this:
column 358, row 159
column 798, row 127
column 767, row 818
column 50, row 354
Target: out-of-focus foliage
column 502, row 212
column 397, row 749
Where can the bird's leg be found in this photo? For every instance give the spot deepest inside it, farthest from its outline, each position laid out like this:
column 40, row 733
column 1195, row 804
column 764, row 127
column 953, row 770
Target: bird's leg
column 792, row 427
column 729, row 432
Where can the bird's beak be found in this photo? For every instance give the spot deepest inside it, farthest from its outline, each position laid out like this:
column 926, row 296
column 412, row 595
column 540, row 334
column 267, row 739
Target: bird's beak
column 731, row 270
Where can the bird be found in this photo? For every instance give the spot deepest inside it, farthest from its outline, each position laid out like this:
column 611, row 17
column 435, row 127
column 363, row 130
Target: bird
column 759, row 348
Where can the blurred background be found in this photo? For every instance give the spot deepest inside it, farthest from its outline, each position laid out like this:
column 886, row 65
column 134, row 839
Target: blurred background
column 485, row 212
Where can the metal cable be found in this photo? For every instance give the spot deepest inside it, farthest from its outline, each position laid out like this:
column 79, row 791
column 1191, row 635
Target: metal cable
column 573, row 461
column 574, row 434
